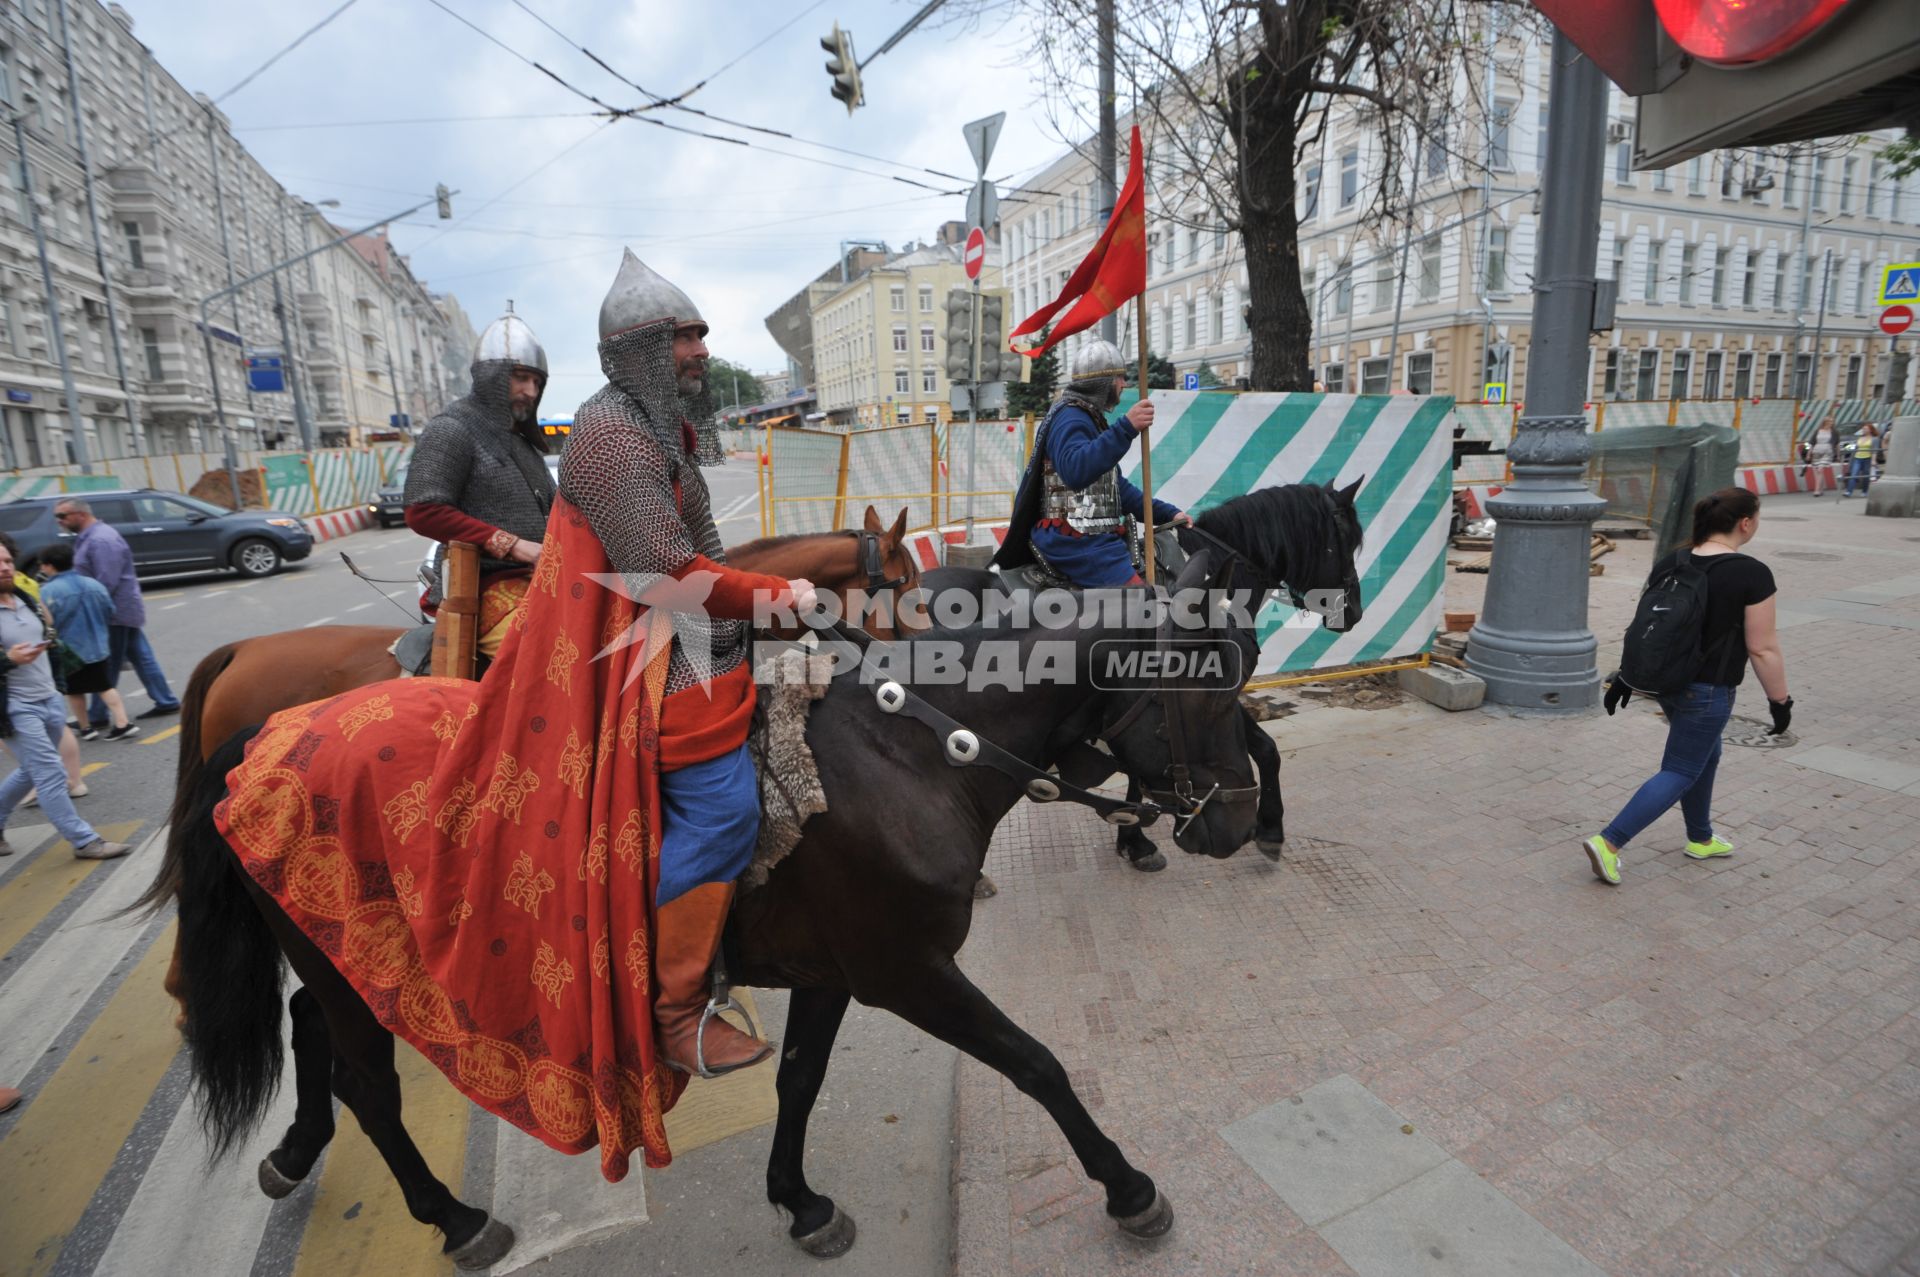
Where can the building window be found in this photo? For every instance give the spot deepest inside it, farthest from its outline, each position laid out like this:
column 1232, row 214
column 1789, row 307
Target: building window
column 1853, row 377
column 150, row 341
column 903, row 414
column 1743, row 374
column 1349, row 178
column 1650, row 286
column 1748, row 280
column 1420, row 373
column 1497, row 260
column 1219, row 318
column 1697, row 175
column 1500, row 135
column 928, row 384
column 1860, row 290
column 1219, row 241
column 1374, row 377
column 1849, row 174
column 1343, row 292
column 1623, row 160
column 1661, row 182
column 1334, row 378
column 1721, row 258
column 1430, row 268
column 1193, row 245
column 926, row 339
column 900, row 385
column 1689, row 255
column 1806, row 281
column 1540, row 142
column 1384, row 276
column 1646, row 383
column 1710, row 376
column 1817, row 193
column 136, row 253
column 1619, row 263
column 1803, row 376
column 1310, row 193
column 900, row 337
column 1193, row 329
column 1876, row 169
column 1771, row 386
column 926, row 299
column 1436, row 165
column 1681, row 381
column 1610, row 380
column 897, row 299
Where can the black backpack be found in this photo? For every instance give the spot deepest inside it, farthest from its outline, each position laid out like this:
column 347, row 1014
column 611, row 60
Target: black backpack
column 1663, row 651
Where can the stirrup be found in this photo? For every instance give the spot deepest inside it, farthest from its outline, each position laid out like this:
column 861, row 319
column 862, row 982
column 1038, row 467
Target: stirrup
column 721, row 1000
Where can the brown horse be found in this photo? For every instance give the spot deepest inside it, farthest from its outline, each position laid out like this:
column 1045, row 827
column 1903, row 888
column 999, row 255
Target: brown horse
column 245, row 683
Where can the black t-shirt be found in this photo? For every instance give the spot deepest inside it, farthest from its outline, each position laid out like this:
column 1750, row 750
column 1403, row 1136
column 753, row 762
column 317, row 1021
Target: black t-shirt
column 1733, row 582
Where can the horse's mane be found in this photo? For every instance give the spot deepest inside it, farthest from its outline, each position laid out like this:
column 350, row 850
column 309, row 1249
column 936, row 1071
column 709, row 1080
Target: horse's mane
column 774, row 543
column 1276, row 527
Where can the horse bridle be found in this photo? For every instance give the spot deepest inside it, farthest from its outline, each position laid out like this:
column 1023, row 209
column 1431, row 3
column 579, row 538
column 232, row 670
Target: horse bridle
column 873, row 561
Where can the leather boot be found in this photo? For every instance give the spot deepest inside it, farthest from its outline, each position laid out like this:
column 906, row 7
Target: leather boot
column 689, row 929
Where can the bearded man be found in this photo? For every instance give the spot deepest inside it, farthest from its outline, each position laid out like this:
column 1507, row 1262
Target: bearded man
column 1074, row 513
column 479, row 473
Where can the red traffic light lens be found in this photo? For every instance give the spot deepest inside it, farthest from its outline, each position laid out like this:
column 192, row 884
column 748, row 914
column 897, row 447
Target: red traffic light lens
column 1737, row 32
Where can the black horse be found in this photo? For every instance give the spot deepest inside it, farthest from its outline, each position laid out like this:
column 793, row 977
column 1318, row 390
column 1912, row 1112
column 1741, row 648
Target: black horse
column 873, row 904
column 1301, row 540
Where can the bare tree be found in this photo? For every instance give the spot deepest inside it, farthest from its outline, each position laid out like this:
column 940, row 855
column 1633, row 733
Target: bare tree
column 1234, row 96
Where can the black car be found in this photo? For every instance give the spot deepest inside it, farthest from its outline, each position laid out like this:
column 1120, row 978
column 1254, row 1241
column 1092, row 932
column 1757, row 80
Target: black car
column 170, row 532
column 389, row 505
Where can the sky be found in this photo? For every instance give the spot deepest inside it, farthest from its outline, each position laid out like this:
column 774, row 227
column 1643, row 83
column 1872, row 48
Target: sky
column 740, row 230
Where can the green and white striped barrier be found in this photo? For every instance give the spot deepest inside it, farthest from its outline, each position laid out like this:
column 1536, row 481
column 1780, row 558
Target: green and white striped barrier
column 1208, row 447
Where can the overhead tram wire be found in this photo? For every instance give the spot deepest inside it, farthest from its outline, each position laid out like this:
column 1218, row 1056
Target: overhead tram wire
column 538, row 169
column 297, row 42
column 424, row 119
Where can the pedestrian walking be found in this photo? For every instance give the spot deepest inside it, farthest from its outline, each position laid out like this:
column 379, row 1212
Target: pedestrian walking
column 1819, row 459
column 103, row 554
column 82, row 613
column 31, row 721
column 1865, row 444
column 28, row 584
column 1707, row 613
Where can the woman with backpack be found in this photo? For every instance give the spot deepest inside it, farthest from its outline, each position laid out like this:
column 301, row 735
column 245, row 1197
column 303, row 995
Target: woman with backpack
column 1707, row 613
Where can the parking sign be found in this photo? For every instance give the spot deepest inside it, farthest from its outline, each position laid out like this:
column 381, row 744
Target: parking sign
column 1190, row 381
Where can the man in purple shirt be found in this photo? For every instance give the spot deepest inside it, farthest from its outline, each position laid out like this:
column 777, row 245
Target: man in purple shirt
column 103, row 554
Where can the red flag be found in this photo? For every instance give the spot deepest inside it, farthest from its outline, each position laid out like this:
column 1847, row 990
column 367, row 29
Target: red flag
column 1114, row 273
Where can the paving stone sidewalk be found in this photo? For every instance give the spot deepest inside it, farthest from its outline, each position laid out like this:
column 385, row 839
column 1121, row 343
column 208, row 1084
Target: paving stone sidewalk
column 1714, row 1068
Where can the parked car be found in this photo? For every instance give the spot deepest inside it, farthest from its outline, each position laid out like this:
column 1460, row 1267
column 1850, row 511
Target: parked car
column 171, row 532
column 389, row 505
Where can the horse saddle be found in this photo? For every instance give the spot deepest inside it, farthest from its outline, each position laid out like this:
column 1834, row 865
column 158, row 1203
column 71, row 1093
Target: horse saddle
column 413, row 651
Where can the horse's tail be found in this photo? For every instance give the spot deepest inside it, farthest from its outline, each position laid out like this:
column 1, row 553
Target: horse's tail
column 231, row 962
column 193, row 767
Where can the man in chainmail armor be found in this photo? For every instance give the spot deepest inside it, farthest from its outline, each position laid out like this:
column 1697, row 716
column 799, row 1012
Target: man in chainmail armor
column 1074, row 513
column 632, row 468
column 479, row 473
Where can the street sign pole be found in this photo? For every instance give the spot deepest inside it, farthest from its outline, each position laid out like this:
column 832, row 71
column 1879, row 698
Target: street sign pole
column 981, row 135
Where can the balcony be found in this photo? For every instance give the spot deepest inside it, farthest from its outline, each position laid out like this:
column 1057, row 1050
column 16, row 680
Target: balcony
column 312, row 305
column 136, row 188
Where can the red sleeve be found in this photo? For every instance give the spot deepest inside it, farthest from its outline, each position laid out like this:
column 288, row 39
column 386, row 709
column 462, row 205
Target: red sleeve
column 733, row 591
column 445, row 523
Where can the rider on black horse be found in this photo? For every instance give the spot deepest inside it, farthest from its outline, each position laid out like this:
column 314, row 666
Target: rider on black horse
column 1074, row 515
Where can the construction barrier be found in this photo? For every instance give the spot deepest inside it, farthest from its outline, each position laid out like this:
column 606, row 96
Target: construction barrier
column 1209, row 447
column 818, row 480
column 307, row 484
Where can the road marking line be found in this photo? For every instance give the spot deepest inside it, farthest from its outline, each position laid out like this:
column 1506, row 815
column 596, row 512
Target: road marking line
column 325, row 620
column 359, row 607
column 182, row 603
column 66, row 1141
column 36, row 891
column 88, row 769
column 157, row 737
column 360, row 1222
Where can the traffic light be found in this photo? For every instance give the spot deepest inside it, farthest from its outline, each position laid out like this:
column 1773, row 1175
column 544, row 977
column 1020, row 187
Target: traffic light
column 997, row 363
column 843, row 67
column 1716, row 74
column 443, row 198
column 959, row 360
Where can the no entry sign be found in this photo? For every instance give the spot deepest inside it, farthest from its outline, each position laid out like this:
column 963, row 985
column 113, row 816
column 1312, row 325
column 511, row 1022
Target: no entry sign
column 1895, row 320
column 975, row 255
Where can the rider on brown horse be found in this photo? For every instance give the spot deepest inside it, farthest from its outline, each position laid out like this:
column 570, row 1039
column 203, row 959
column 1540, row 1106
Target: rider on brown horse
column 479, row 473
column 632, row 467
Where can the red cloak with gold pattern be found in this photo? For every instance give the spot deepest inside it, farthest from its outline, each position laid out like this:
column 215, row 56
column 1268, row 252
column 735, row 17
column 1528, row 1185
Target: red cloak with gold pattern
column 480, row 860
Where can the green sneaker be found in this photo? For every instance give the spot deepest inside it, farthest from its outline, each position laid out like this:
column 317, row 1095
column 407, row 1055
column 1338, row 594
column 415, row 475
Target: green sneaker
column 1716, row 846
column 1606, row 861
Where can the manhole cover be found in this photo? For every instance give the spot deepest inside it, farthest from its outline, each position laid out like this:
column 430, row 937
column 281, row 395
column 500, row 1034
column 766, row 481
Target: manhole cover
column 1753, row 734
column 1807, row 556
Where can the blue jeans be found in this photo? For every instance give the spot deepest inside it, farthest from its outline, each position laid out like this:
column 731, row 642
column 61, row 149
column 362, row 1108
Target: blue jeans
column 1861, row 469
column 1695, row 719
column 128, row 643
column 709, row 823
column 37, row 728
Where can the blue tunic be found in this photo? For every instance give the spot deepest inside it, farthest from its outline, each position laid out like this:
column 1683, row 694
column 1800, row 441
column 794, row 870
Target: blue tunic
column 709, row 823
column 1081, row 451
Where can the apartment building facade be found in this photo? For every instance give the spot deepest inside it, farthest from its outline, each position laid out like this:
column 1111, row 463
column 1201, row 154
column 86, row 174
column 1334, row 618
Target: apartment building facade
column 183, row 210
column 1721, row 264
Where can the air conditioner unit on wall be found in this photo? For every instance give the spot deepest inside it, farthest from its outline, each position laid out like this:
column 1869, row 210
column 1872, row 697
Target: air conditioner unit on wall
column 1619, row 131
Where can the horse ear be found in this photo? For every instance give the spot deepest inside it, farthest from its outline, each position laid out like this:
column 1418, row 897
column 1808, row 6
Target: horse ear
column 872, row 522
column 1348, row 493
column 898, row 532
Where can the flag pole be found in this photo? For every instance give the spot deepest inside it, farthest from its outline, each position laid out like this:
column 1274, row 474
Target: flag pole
column 1146, row 441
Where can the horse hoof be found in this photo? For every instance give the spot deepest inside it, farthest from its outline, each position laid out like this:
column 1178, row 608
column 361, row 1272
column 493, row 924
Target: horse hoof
column 832, row 1239
column 485, row 1248
column 983, row 888
column 1155, row 1221
column 273, row 1183
column 1271, row 847
column 1151, row 863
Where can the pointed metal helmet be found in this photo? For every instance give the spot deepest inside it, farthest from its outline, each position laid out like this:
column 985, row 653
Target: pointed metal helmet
column 639, row 296
column 1096, row 359
column 509, row 338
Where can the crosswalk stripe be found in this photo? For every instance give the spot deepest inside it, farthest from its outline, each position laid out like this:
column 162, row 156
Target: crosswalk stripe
column 157, row 737
column 65, row 1142
column 34, row 892
column 360, row 1222
column 43, row 995
column 23, row 839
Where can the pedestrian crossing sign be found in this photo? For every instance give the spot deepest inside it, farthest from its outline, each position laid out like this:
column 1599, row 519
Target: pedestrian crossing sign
column 1496, row 392
column 1900, row 282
